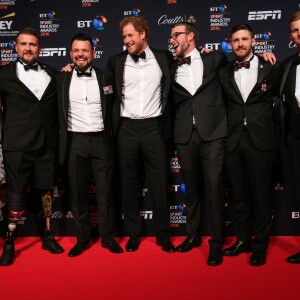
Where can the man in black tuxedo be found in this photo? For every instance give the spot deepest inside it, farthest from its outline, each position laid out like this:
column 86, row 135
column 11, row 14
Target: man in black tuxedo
column 290, row 93
column 143, row 125
column 85, row 99
column 200, row 132
column 29, row 135
column 250, row 85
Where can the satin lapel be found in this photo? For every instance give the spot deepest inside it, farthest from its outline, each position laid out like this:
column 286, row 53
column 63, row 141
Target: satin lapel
column 65, row 94
column 206, row 70
column 101, row 84
column 174, row 68
column 15, row 78
column 162, row 62
column 284, row 76
column 119, row 72
column 50, row 85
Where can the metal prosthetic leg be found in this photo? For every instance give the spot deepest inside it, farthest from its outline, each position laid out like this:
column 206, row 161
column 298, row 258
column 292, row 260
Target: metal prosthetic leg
column 9, row 248
column 48, row 241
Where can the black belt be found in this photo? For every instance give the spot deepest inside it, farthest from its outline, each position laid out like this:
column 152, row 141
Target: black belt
column 89, row 134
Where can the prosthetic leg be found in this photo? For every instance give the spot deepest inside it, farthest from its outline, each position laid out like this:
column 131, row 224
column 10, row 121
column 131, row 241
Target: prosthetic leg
column 9, row 248
column 48, row 241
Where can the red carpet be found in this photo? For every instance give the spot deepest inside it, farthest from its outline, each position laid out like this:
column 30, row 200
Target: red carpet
column 148, row 273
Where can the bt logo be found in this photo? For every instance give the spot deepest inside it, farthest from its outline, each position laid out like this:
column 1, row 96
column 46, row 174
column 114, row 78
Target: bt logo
column 98, row 23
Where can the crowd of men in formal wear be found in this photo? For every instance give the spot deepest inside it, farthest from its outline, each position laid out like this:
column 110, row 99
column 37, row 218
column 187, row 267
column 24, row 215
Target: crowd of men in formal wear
column 219, row 115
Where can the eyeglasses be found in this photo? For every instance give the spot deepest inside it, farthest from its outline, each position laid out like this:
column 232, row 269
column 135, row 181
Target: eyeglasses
column 175, row 35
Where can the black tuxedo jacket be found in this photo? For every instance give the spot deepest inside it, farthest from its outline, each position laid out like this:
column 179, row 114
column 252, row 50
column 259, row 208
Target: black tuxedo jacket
column 63, row 81
column 207, row 104
column 164, row 59
column 287, row 94
column 27, row 121
column 258, row 108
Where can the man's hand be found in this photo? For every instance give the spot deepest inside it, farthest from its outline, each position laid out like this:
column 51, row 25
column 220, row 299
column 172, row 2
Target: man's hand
column 269, row 56
column 204, row 50
column 68, row 68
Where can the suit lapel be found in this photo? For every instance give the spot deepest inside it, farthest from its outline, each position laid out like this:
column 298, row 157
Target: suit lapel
column 162, row 62
column 263, row 70
column 101, row 84
column 230, row 74
column 284, row 75
column 120, row 65
column 16, row 78
column 174, row 68
column 206, row 70
column 66, row 98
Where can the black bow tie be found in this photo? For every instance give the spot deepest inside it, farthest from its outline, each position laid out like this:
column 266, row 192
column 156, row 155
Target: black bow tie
column 184, row 60
column 296, row 60
column 239, row 65
column 31, row 67
column 84, row 74
column 243, row 64
column 34, row 67
column 136, row 57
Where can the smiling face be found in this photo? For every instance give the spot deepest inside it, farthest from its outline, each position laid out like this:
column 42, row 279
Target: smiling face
column 295, row 33
column 134, row 41
column 28, row 48
column 242, row 43
column 182, row 41
column 82, row 54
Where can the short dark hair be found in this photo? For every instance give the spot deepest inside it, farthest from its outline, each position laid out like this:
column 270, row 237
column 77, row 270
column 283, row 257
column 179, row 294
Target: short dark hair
column 82, row 37
column 189, row 27
column 242, row 26
column 139, row 24
column 29, row 31
column 294, row 17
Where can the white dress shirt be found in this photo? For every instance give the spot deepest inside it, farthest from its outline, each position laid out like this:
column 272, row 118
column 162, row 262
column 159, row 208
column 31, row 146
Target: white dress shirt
column 190, row 76
column 36, row 81
column 297, row 88
column 84, row 111
column 247, row 78
column 141, row 89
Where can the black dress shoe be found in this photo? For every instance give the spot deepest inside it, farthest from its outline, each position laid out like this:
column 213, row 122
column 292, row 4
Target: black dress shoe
column 189, row 243
column 78, row 249
column 258, row 258
column 112, row 246
column 215, row 256
column 294, row 259
column 166, row 245
column 8, row 254
column 238, row 248
column 133, row 244
column 50, row 244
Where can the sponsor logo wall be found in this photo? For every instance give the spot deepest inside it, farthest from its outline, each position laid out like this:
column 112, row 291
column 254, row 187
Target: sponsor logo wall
column 58, row 20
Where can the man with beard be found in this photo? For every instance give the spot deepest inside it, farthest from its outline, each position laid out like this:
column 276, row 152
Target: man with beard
column 29, row 136
column 250, row 85
column 143, row 125
column 200, row 131
column 290, row 93
column 199, row 135
column 85, row 99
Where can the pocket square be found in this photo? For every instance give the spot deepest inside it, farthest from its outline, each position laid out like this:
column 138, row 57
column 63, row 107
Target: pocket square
column 108, row 89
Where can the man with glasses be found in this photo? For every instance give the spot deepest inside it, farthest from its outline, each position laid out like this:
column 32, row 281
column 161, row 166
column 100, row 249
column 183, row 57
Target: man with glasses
column 200, row 131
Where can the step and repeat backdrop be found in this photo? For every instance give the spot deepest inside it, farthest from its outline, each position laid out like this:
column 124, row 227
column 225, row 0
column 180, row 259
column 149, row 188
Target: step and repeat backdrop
column 58, row 20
